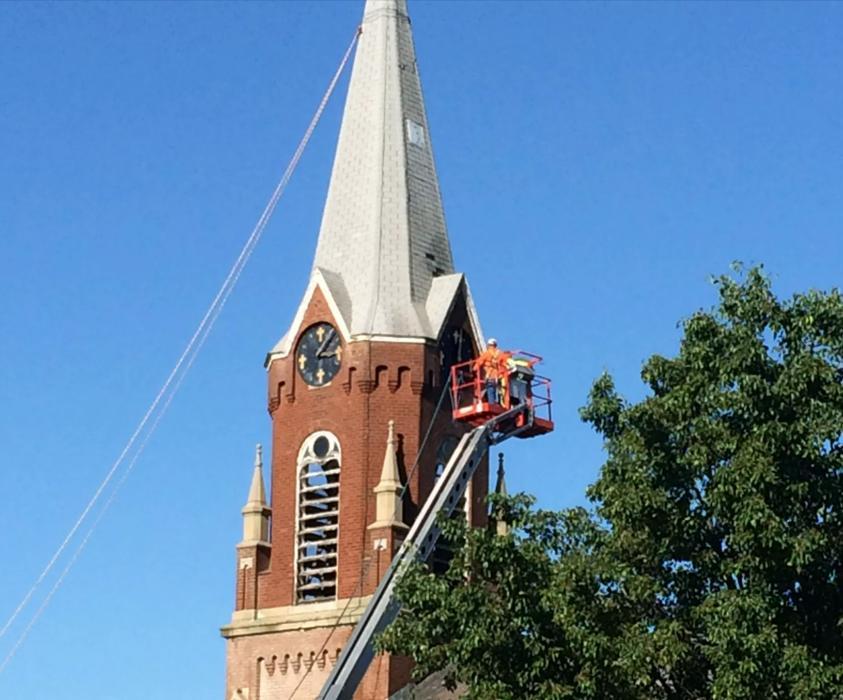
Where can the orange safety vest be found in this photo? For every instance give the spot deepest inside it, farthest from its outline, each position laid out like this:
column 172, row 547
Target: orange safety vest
column 492, row 363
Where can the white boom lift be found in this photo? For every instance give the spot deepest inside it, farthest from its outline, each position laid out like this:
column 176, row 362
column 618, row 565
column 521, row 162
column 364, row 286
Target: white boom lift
column 493, row 423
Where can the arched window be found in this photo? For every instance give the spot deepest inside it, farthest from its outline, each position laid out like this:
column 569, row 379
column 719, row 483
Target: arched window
column 318, row 518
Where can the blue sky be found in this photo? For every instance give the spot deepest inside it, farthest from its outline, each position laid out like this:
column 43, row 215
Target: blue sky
column 598, row 163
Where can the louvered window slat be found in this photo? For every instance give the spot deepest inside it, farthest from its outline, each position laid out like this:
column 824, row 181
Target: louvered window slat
column 320, row 586
column 318, row 518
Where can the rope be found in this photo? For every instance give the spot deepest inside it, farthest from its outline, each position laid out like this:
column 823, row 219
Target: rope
column 25, row 633
column 176, row 375
column 358, row 589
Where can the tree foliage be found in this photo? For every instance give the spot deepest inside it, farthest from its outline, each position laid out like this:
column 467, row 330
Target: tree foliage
column 711, row 562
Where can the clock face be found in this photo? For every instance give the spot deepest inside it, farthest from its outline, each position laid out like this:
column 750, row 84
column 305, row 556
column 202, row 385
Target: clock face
column 454, row 348
column 319, row 354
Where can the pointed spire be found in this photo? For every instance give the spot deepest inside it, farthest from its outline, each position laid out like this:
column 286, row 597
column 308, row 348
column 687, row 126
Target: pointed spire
column 257, row 493
column 389, row 471
column 500, row 525
column 256, row 512
column 389, row 510
column 500, row 484
column 383, row 238
column 383, row 259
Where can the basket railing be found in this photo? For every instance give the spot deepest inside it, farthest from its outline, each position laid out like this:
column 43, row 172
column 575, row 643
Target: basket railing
column 468, row 385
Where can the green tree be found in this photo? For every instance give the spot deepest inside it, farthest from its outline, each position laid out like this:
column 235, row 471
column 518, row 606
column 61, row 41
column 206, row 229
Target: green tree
column 711, row 562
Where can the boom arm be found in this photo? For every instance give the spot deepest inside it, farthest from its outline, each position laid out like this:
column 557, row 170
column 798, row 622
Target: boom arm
column 420, row 542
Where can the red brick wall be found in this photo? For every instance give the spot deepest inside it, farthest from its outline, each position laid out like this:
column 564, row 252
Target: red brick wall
column 356, row 406
column 378, row 382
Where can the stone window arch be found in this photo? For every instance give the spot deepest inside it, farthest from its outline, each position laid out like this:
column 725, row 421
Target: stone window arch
column 317, row 517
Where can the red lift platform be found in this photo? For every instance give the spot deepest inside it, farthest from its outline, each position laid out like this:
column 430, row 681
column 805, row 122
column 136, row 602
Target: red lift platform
column 520, row 386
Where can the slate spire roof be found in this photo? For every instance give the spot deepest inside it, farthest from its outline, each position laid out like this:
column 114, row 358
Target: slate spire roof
column 383, row 258
column 383, row 242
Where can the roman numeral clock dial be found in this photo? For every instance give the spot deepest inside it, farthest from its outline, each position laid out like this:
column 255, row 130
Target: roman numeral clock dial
column 319, row 354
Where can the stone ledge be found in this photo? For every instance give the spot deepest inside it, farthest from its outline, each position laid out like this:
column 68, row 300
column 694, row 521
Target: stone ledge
column 388, row 524
column 295, row 617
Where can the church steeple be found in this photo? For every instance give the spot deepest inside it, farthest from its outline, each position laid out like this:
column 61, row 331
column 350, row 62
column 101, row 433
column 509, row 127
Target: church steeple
column 383, row 228
column 383, row 239
column 381, row 323
column 383, row 259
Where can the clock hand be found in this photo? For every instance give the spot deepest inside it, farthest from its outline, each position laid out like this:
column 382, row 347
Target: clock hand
column 325, row 343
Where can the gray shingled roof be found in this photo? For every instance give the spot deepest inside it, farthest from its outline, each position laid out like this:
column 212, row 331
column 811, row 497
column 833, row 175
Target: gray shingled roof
column 383, row 239
column 431, row 688
column 383, row 258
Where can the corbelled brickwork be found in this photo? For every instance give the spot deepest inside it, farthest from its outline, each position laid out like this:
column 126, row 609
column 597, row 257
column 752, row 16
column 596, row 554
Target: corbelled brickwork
column 273, row 667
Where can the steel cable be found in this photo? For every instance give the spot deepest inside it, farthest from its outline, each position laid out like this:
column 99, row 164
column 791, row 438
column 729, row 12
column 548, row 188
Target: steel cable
column 174, row 379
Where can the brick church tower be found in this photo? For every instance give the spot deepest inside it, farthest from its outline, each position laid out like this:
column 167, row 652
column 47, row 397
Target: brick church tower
column 353, row 390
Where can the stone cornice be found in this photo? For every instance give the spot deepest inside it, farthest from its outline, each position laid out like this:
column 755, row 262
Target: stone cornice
column 295, row 617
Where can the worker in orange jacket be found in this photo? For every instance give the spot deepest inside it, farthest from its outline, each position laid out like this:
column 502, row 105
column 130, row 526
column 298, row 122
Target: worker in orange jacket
column 491, row 367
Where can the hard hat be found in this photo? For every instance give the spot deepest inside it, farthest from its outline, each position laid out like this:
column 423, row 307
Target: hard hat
column 491, row 341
